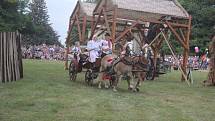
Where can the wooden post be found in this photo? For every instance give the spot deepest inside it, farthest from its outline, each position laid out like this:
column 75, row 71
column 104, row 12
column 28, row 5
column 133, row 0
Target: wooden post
column 92, row 23
column 1, row 62
column 106, row 20
column 178, row 38
column 175, row 58
column 79, row 28
column 84, row 28
column 186, row 50
column 66, row 57
column 4, row 57
column 71, row 25
column 95, row 24
column 126, row 31
column 114, row 26
column 10, row 60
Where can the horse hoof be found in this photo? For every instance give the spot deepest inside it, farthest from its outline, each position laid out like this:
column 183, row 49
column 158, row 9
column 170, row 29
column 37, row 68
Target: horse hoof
column 106, row 87
column 129, row 88
column 99, row 87
column 114, row 90
column 138, row 90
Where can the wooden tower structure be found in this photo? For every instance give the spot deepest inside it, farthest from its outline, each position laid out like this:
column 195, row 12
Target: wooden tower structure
column 121, row 18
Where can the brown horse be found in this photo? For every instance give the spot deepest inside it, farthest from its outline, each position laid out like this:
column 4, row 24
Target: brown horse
column 130, row 67
column 139, row 70
column 126, row 66
column 123, row 68
column 106, row 64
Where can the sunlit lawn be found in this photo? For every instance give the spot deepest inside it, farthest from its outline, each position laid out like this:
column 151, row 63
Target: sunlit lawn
column 46, row 94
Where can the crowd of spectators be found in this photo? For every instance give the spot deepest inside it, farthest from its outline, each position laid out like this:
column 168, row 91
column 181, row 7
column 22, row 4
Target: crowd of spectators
column 197, row 62
column 194, row 62
column 44, row 52
column 55, row 52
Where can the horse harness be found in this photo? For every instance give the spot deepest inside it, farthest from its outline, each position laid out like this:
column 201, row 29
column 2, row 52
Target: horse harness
column 139, row 63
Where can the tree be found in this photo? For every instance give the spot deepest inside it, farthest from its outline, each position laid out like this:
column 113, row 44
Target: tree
column 203, row 20
column 39, row 12
column 42, row 32
column 11, row 14
column 31, row 20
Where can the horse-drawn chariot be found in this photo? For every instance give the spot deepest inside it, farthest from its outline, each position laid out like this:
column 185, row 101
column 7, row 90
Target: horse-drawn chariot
column 83, row 65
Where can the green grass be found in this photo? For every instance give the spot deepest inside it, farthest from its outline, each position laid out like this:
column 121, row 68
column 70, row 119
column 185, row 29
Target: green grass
column 46, row 94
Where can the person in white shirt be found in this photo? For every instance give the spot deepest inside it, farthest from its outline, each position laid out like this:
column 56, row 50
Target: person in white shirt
column 77, row 50
column 93, row 49
column 106, row 45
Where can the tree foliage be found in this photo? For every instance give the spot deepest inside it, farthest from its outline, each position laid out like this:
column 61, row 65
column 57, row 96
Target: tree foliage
column 31, row 19
column 203, row 20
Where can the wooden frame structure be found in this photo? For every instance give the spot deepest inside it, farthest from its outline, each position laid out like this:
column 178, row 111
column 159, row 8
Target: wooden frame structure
column 123, row 18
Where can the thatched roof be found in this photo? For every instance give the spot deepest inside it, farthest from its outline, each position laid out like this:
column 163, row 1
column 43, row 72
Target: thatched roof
column 151, row 9
column 86, row 9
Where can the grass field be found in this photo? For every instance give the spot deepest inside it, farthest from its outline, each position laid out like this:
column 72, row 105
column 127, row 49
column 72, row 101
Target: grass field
column 46, row 94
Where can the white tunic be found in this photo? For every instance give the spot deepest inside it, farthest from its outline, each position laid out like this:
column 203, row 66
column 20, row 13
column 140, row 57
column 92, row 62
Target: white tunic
column 106, row 45
column 76, row 50
column 93, row 48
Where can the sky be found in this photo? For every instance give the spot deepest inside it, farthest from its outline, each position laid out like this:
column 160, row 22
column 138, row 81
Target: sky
column 59, row 12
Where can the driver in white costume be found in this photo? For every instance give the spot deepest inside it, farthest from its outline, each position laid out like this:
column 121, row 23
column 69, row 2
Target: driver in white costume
column 93, row 48
column 106, row 45
column 77, row 49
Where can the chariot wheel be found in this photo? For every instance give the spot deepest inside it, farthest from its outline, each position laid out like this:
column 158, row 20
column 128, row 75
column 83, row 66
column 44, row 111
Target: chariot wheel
column 72, row 71
column 88, row 77
column 150, row 74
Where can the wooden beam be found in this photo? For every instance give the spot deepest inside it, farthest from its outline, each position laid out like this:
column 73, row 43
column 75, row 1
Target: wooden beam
column 114, row 26
column 101, row 32
column 79, row 29
column 182, row 34
column 178, row 38
column 175, row 58
column 94, row 26
column 186, row 50
column 84, row 28
column 70, row 31
column 160, row 22
column 126, row 31
column 92, row 23
column 66, row 58
column 106, row 21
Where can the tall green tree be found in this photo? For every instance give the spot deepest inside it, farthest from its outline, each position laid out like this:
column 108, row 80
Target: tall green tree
column 11, row 14
column 203, row 21
column 42, row 30
column 31, row 20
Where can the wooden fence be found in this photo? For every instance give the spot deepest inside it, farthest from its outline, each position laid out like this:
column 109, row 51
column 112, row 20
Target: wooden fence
column 11, row 68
